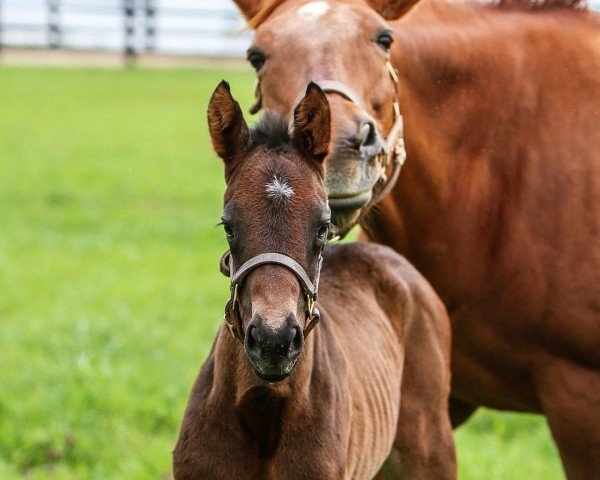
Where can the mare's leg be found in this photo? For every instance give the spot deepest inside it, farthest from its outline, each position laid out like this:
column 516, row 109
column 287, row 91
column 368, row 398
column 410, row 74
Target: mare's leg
column 424, row 445
column 570, row 398
column 460, row 411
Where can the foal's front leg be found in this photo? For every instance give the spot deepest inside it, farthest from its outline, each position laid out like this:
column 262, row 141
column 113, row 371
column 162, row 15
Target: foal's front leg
column 424, row 445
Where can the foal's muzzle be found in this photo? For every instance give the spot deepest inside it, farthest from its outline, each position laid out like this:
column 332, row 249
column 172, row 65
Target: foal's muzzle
column 273, row 351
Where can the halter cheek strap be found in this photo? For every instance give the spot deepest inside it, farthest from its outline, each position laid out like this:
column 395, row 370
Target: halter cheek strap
column 393, row 151
column 232, row 317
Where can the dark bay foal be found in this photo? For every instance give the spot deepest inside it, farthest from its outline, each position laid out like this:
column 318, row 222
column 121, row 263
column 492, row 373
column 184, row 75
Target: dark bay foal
column 365, row 394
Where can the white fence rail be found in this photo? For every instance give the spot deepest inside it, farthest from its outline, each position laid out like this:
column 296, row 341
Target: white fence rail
column 181, row 27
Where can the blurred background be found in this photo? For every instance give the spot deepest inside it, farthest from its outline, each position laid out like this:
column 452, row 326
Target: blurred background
column 110, row 294
column 179, row 27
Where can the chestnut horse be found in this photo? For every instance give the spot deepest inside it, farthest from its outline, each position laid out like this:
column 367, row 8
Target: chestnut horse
column 272, row 403
column 498, row 203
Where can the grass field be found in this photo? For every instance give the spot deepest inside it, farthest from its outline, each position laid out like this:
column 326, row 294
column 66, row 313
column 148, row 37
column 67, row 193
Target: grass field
column 109, row 286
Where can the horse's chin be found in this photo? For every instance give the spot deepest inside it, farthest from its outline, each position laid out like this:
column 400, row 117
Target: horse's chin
column 274, row 373
column 344, row 220
column 350, row 182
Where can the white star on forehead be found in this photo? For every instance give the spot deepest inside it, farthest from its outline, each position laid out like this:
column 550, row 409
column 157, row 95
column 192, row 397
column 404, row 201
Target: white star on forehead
column 278, row 189
column 313, row 9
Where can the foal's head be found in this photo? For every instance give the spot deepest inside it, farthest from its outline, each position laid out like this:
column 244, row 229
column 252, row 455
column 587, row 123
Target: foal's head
column 275, row 203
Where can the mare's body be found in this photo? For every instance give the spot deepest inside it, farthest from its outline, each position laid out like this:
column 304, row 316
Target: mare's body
column 498, row 203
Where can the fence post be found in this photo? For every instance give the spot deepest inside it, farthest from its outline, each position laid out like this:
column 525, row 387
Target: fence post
column 54, row 34
column 129, row 11
column 150, row 36
column 1, row 32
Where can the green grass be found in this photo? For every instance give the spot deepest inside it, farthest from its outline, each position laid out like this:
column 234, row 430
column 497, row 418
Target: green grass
column 109, row 286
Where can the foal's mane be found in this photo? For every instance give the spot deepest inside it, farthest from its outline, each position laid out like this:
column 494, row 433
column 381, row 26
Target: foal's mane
column 268, row 6
column 271, row 131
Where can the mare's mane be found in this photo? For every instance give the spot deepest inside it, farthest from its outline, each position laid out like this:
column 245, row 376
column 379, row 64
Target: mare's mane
column 269, row 5
column 542, row 4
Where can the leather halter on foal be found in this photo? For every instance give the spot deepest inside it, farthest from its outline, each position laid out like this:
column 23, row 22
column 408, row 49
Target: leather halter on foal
column 393, row 151
column 232, row 310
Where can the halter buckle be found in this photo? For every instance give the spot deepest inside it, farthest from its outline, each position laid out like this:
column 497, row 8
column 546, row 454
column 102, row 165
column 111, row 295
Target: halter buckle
column 310, row 305
column 229, row 326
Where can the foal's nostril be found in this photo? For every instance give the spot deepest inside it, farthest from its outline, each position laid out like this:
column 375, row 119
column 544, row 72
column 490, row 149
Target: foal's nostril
column 297, row 342
column 251, row 343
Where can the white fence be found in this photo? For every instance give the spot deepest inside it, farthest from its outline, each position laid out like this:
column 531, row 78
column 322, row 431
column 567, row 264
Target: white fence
column 181, row 27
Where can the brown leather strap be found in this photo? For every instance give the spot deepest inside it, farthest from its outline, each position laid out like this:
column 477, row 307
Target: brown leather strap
column 277, row 259
column 332, row 86
column 232, row 317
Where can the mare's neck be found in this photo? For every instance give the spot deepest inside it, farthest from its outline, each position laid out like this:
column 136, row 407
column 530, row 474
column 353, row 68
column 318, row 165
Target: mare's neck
column 450, row 86
column 451, row 73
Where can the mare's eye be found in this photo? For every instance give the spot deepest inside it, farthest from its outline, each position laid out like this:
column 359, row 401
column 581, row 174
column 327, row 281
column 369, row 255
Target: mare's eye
column 322, row 232
column 384, row 39
column 229, row 232
column 256, row 58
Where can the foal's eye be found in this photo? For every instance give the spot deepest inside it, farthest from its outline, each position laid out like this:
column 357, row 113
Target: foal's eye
column 229, row 232
column 322, row 232
column 256, row 58
column 384, row 40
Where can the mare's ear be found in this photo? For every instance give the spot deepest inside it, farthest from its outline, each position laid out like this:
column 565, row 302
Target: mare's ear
column 228, row 130
column 249, row 8
column 257, row 11
column 312, row 123
column 392, row 9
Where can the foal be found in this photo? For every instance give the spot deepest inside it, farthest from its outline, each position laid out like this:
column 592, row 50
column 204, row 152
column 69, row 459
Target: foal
column 274, row 402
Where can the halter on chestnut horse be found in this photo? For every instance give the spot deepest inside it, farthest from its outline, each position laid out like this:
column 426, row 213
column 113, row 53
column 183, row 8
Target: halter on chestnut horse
column 392, row 152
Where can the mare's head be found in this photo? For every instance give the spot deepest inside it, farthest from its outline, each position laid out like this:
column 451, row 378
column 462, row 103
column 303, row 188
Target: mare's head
column 342, row 44
column 275, row 203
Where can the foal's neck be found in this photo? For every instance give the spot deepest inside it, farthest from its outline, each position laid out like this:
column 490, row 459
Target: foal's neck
column 260, row 407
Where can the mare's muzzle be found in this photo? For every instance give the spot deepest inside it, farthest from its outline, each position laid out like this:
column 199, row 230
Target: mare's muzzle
column 390, row 154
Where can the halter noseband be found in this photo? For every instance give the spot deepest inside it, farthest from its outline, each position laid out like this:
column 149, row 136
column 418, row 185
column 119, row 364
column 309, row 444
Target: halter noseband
column 232, row 317
column 393, row 151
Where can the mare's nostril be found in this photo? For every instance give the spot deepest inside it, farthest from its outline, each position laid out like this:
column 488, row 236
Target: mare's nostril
column 367, row 134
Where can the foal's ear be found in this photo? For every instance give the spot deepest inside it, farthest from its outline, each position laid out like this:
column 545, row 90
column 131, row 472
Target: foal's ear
column 312, row 123
column 392, row 9
column 228, row 130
